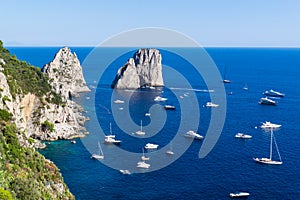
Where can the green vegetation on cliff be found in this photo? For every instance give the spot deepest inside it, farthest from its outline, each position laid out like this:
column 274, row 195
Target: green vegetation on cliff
column 23, row 78
column 25, row 173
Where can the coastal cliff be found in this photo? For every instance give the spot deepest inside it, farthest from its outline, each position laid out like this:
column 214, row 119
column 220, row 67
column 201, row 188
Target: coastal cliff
column 49, row 112
column 144, row 69
column 31, row 110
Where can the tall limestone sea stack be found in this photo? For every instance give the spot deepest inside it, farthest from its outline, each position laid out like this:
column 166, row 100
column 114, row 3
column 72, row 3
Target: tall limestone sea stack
column 66, row 79
column 65, row 74
column 144, row 69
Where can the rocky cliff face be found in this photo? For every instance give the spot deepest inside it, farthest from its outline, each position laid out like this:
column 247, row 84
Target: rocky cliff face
column 65, row 74
column 66, row 79
column 31, row 112
column 144, row 69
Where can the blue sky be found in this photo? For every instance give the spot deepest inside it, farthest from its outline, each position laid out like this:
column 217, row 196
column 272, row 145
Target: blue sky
column 210, row 22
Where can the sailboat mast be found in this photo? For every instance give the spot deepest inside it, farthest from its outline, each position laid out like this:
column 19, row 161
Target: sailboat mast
column 141, row 125
column 271, row 142
column 110, row 128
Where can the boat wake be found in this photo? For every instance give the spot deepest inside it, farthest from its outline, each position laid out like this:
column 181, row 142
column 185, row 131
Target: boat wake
column 191, row 89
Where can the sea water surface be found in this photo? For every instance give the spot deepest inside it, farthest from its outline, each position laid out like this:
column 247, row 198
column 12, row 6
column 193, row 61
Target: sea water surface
column 228, row 167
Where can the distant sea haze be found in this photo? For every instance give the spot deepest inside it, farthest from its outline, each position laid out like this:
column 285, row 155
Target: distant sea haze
column 229, row 166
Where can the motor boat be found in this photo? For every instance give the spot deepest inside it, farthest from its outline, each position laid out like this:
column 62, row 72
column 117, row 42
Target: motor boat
column 267, row 101
column 151, row 146
column 269, row 125
column 169, row 107
column 239, row 194
column 210, row 104
column 193, row 134
column 158, row 98
column 273, row 93
column 118, row 101
column 143, row 164
column 243, row 136
column 125, row 171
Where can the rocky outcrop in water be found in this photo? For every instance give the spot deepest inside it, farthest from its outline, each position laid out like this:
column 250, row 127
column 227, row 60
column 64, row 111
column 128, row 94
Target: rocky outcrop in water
column 144, row 69
column 66, row 79
column 65, row 74
column 32, row 114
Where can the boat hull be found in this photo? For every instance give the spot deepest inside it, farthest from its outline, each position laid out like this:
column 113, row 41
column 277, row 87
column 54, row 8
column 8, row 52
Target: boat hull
column 98, row 157
column 115, row 142
column 239, row 195
column 267, row 161
column 169, row 107
column 194, row 137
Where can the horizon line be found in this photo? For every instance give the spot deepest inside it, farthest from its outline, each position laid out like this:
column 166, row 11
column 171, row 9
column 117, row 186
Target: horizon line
column 204, row 46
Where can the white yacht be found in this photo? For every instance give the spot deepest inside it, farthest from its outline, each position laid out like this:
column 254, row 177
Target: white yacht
column 151, row 146
column 143, row 164
column 100, row 155
column 269, row 160
column 239, row 194
column 158, row 98
column 269, row 125
column 193, row 134
column 118, row 101
column 210, row 104
column 147, row 114
column 125, row 171
column 110, row 139
column 267, row 101
column 169, row 107
column 243, row 136
column 140, row 132
column 273, row 93
column 226, row 81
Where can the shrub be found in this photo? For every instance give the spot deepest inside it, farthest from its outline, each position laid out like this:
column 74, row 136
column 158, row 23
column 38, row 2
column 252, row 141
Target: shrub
column 6, row 98
column 5, row 195
column 47, row 126
column 5, row 115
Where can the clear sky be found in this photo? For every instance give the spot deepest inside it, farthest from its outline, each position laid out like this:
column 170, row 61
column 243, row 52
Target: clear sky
column 209, row 22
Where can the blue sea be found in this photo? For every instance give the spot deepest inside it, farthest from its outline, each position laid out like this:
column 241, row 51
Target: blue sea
column 228, row 167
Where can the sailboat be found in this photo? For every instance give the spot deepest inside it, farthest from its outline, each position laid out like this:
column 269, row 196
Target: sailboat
column 170, row 151
column 226, row 80
column 245, row 87
column 110, row 139
column 269, row 160
column 144, row 158
column 140, row 132
column 99, row 156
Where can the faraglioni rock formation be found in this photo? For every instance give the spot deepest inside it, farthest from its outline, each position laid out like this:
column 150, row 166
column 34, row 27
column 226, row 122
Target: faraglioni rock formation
column 32, row 113
column 31, row 110
column 144, row 69
column 65, row 74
